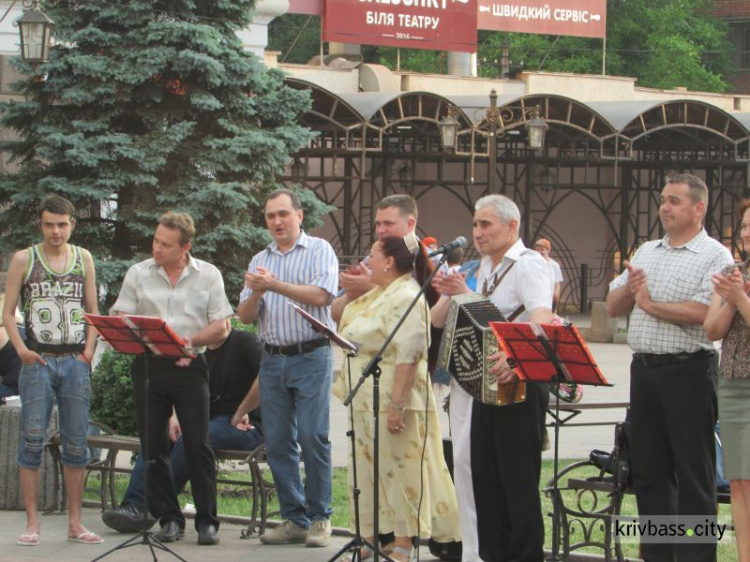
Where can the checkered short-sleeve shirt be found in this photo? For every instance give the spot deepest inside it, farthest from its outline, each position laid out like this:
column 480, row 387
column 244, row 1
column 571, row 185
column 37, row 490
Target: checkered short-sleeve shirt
column 674, row 274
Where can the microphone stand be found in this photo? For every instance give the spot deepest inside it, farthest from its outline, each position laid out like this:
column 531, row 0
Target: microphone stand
column 373, row 368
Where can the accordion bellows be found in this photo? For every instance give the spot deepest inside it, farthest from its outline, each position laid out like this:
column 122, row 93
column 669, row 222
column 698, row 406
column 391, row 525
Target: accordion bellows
column 467, row 341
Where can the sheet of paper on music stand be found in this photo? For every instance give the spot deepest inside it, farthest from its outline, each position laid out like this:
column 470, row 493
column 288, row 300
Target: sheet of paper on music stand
column 325, row 330
column 520, row 341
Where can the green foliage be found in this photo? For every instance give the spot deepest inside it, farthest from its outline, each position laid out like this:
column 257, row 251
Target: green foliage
column 112, row 393
column 145, row 107
column 296, row 36
column 662, row 44
column 426, row 61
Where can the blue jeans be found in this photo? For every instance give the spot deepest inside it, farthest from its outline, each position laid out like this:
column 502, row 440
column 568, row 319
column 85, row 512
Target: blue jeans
column 220, row 434
column 296, row 393
column 67, row 381
column 6, row 391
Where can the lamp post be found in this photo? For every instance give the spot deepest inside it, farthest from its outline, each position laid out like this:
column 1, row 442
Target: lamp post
column 35, row 29
column 498, row 121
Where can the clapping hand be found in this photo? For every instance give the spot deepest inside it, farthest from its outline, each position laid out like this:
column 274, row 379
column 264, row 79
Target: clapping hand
column 355, row 281
column 731, row 287
column 638, row 286
column 260, row 281
column 451, row 283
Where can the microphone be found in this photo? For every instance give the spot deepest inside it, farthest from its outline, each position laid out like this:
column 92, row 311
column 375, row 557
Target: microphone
column 459, row 242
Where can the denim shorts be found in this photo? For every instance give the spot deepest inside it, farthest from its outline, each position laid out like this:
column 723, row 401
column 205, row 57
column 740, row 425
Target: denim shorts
column 66, row 381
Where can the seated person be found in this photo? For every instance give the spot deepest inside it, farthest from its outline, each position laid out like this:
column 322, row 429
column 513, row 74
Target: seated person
column 233, row 366
column 10, row 363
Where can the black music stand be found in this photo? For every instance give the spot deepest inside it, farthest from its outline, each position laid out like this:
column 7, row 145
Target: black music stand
column 356, row 544
column 147, row 336
column 545, row 353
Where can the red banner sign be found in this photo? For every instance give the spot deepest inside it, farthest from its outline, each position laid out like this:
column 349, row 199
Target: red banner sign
column 581, row 18
column 441, row 25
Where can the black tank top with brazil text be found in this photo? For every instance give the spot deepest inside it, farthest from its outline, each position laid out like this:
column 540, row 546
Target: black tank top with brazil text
column 53, row 302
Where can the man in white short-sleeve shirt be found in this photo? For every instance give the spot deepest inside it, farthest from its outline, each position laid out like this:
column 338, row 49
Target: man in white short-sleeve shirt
column 544, row 247
column 498, row 450
column 666, row 288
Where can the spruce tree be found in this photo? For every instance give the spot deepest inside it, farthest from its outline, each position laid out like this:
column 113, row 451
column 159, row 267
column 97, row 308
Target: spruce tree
column 145, row 107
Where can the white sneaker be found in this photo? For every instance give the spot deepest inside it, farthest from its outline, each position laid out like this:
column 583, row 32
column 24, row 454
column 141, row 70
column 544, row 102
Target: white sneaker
column 319, row 533
column 286, row 533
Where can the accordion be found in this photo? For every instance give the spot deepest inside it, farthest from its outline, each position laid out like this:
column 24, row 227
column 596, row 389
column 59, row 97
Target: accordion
column 467, row 341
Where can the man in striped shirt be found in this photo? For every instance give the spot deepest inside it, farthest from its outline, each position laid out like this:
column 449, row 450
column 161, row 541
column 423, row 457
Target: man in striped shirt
column 297, row 367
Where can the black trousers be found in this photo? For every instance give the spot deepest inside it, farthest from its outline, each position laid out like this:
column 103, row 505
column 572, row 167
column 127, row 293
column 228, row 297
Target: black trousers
column 506, row 463
column 185, row 388
column 673, row 411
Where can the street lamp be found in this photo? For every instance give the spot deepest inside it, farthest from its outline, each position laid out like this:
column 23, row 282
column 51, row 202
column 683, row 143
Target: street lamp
column 35, row 29
column 449, row 129
column 536, row 128
column 297, row 169
column 494, row 122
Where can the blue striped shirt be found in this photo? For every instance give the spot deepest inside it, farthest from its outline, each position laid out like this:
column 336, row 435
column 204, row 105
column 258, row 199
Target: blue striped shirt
column 311, row 261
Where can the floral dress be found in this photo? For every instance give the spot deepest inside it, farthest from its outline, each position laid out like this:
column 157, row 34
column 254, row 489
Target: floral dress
column 407, row 476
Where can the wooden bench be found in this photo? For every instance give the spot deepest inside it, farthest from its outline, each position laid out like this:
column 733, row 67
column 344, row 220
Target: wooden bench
column 262, row 489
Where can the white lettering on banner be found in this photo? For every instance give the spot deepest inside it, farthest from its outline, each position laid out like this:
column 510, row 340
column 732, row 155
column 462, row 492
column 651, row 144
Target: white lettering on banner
column 433, row 4
column 421, row 22
column 379, row 18
column 522, row 12
column 574, row 15
column 526, row 13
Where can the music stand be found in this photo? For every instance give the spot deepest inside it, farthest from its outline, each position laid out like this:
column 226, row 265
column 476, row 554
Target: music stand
column 147, row 336
column 554, row 354
column 358, row 542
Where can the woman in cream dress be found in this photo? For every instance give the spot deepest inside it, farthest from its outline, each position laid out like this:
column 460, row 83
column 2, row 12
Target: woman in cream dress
column 416, row 494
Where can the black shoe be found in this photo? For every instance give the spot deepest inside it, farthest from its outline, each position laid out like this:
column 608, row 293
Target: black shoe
column 127, row 518
column 170, row 532
column 208, row 535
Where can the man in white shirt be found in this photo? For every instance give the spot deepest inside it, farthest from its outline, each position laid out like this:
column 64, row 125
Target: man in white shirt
column 498, row 449
column 544, row 247
column 666, row 288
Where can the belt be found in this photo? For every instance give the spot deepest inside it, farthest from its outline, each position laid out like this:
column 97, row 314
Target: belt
column 296, row 348
column 656, row 360
column 56, row 350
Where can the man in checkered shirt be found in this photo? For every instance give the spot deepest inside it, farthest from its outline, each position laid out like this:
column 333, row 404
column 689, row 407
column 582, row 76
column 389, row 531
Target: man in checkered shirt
column 666, row 288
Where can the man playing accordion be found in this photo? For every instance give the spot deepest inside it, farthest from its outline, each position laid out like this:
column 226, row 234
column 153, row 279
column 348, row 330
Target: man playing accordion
column 498, row 449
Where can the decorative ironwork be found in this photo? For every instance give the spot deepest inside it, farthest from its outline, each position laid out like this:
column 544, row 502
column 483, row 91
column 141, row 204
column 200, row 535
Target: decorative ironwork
column 611, row 177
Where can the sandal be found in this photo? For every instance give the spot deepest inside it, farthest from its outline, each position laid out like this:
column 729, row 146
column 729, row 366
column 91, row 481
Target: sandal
column 29, row 539
column 399, row 552
column 86, row 537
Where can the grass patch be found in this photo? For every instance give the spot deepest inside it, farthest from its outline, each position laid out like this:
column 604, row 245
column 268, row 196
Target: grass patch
column 235, row 500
